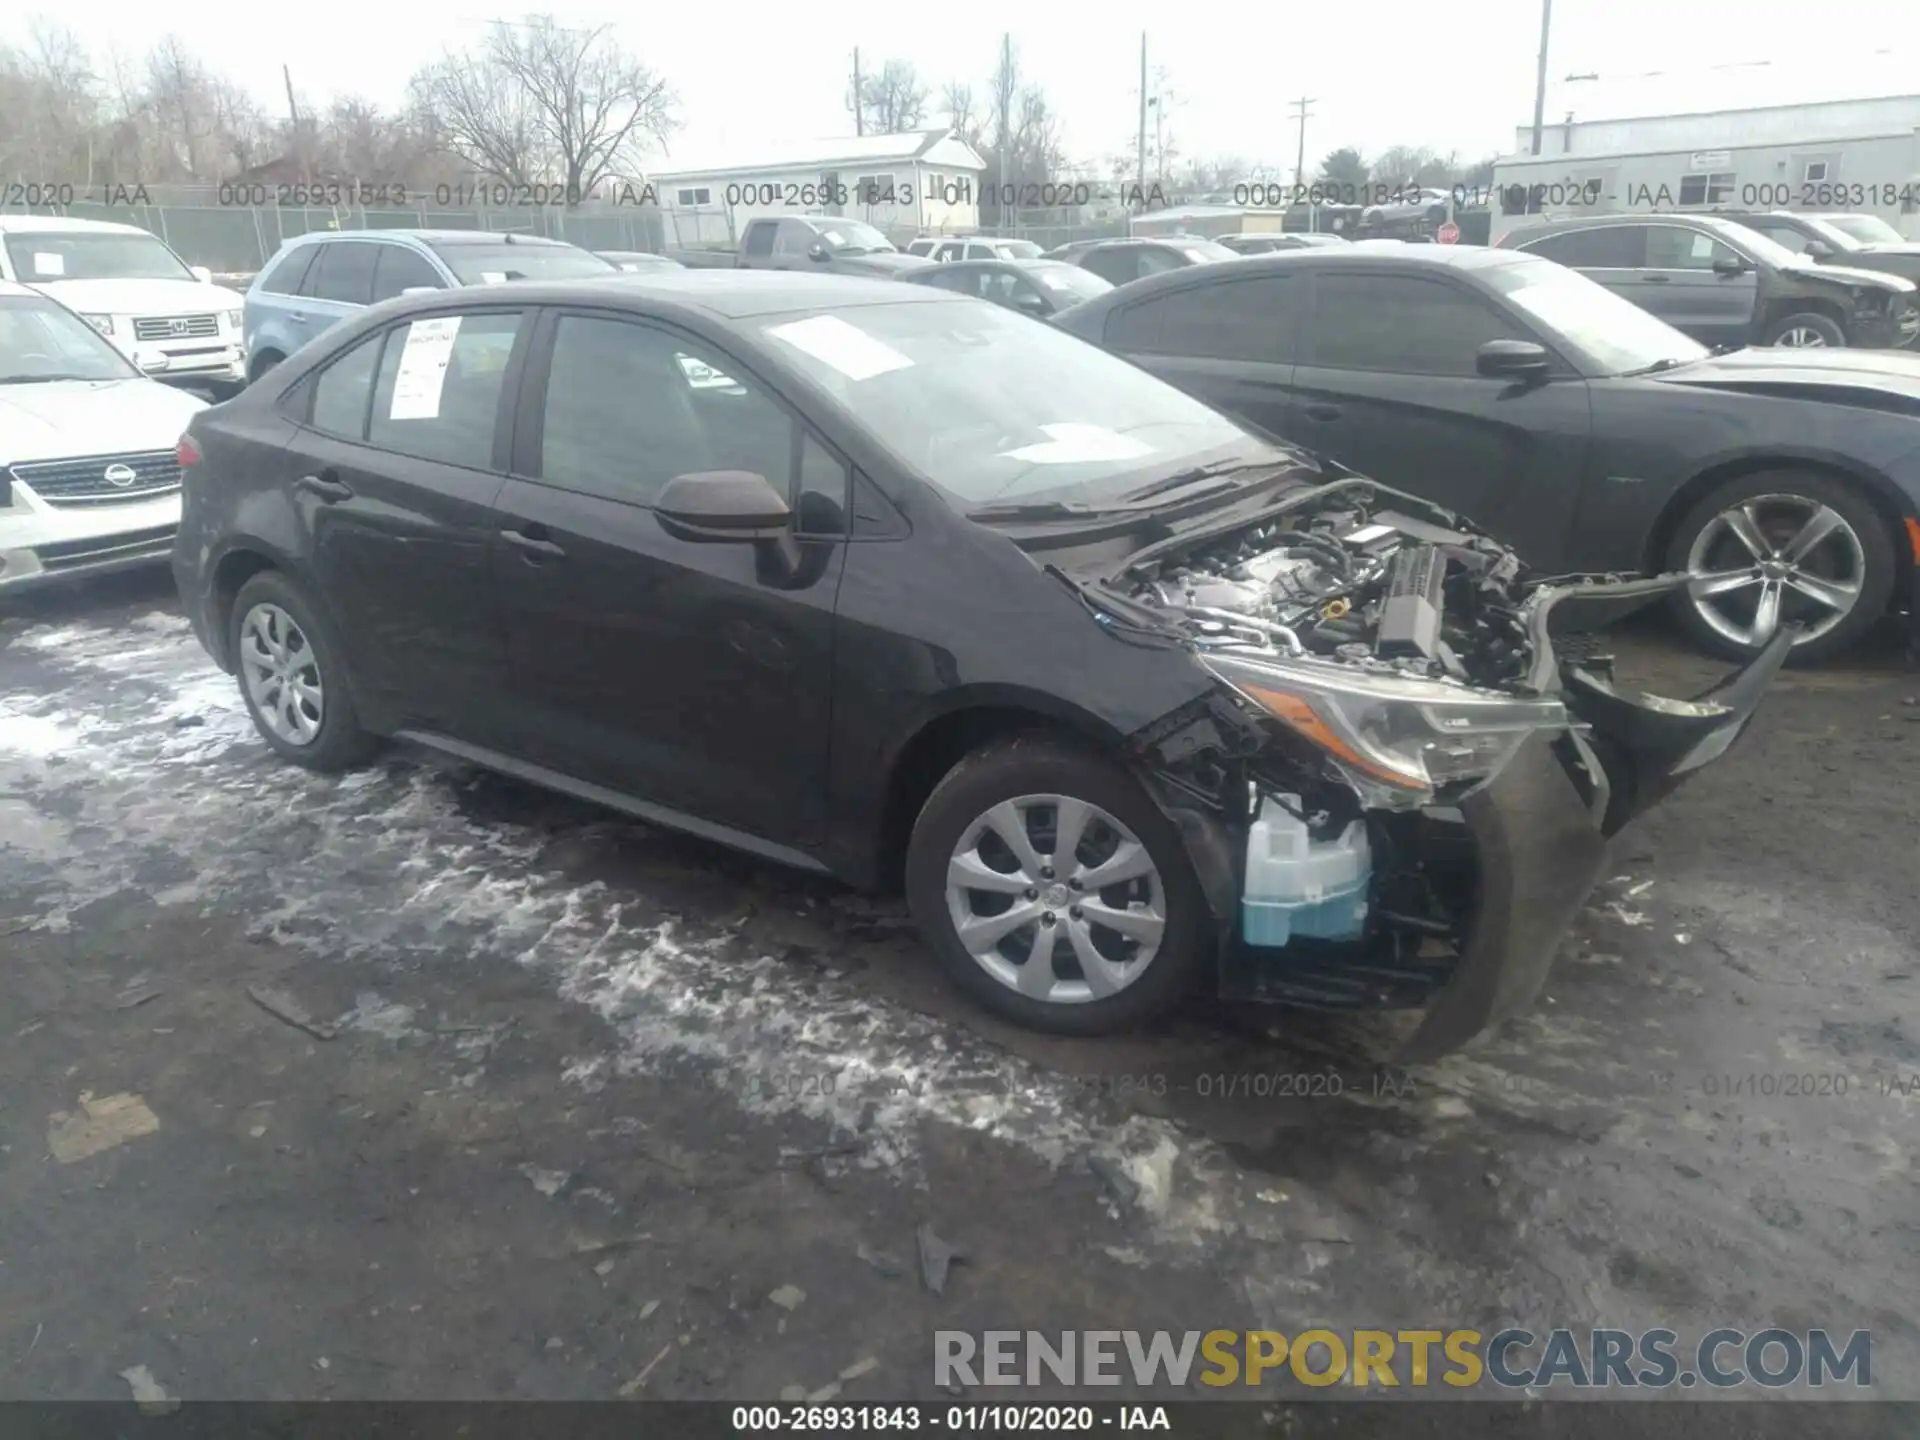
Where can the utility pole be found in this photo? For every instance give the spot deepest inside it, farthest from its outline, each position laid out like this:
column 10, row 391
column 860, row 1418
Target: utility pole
column 1540, row 76
column 293, row 114
column 1141, row 176
column 1302, row 108
column 859, row 99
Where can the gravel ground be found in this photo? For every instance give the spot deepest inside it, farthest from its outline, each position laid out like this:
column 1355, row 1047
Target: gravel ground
column 581, row 1104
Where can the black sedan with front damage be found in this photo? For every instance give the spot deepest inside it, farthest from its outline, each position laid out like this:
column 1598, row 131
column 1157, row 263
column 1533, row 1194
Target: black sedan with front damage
column 906, row 588
column 1578, row 428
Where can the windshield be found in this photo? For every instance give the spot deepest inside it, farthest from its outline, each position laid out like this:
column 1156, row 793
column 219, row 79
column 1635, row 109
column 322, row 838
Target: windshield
column 1070, row 280
column 40, row 340
column 39, row 256
column 1614, row 335
column 851, row 236
column 1863, row 229
column 1201, row 251
column 1017, row 249
column 496, row 264
column 997, row 410
column 1761, row 247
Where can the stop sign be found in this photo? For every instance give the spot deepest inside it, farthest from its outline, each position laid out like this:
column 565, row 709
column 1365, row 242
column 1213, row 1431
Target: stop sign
column 1448, row 233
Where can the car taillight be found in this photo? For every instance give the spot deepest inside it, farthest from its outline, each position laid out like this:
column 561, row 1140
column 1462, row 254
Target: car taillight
column 186, row 452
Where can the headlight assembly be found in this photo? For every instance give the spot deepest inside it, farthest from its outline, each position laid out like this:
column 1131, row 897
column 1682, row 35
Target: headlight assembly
column 102, row 323
column 1399, row 737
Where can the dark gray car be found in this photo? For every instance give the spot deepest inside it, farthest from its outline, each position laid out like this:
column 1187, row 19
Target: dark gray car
column 1121, row 261
column 1037, row 287
column 1726, row 285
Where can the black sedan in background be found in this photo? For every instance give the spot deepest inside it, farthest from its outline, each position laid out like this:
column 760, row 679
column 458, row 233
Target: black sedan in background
column 1037, row 287
column 1270, row 244
column 1119, row 261
column 879, row 581
column 1581, row 430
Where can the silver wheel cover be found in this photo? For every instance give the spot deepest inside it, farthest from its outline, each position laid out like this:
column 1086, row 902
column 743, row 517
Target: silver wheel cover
column 281, row 674
column 1056, row 899
column 1772, row 559
column 1801, row 337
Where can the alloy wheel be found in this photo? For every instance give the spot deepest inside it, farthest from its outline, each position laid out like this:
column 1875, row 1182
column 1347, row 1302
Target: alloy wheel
column 1801, row 337
column 1056, row 899
column 282, row 674
column 1774, row 559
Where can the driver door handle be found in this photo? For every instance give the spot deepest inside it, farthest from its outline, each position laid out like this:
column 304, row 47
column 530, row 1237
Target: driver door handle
column 532, row 544
column 329, row 487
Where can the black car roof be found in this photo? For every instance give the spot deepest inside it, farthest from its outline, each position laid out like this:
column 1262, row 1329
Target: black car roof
column 729, row 294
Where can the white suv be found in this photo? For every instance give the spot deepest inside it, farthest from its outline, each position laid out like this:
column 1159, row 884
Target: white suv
column 163, row 314
column 89, row 465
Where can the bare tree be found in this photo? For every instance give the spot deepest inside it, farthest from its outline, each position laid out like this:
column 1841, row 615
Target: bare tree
column 541, row 102
column 957, row 101
column 891, row 99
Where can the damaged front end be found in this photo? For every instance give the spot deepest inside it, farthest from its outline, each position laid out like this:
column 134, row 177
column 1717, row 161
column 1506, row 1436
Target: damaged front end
column 1401, row 792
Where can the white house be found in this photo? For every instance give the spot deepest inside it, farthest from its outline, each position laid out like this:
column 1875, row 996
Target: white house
column 917, row 181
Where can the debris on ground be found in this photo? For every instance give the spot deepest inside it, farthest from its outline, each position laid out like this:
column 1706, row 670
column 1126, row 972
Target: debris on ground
column 793, row 1394
column 825, row 1392
column 860, row 1367
column 136, row 992
column 639, row 1382
column 548, row 1182
column 936, row 1256
column 583, row 1247
column 148, row 1393
column 648, row 1308
column 288, row 1010
column 788, row 1297
column 1120, row 1185
column 605, row 1267
column 98, row 1125
column 880, row 1260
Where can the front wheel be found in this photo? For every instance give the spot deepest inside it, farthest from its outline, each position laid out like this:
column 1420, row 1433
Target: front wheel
column 1053, row 890
column 1808, row 330
column 1783, row 547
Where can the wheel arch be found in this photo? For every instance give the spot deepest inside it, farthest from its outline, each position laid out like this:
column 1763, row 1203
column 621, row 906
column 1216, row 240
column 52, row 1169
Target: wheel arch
column 943, row 738
column 243, row 558
column 1876, row 489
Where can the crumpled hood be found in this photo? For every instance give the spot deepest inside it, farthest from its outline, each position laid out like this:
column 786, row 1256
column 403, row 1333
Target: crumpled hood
column 140, row 297
column 1893, row 371
column 91, row 417
column 1871, row 279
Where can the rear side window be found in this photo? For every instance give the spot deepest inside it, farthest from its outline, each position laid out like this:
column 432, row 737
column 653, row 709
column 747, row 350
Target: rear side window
column 438, row 395
column 1233, row 320
column 342, row 390
column 760, row 238
column 1402, row 325
column 284, row 275
column 1610, row 247
column 400, row 269
column 344, row 272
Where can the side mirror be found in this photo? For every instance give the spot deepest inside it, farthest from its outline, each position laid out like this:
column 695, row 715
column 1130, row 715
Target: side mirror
column 1031, row 303
column 722, row 505
column 203, row 274
column 1511, row 360
column 1819, row 250
column 819, row 253
column 1730, row 265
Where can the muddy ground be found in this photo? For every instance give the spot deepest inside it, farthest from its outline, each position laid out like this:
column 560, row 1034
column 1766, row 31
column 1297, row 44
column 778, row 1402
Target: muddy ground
column 588, row 1109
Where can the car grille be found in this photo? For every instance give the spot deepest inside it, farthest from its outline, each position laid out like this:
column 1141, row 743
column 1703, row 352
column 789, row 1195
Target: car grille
column 175, row 327
column 85, row 482
column 128, row 545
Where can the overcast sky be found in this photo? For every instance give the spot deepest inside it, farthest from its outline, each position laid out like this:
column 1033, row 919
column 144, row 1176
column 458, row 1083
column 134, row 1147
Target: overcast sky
column 1454, row 76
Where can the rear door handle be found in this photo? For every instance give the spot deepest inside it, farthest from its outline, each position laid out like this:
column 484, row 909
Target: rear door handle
column 328, row 486
column 532, row 544
column 1321, row 412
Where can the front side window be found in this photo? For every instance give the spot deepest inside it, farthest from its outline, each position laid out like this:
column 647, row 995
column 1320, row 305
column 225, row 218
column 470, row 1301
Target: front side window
column 1402, row 325
column 1606, row 247
column 760, row 238
column 40, row 341
column 1609, row 333
column 1673, row 247
column 1238, row 320
column 42, row 256
column 995, row 409
column 342, row 392
column 795, row 239
column 628, row 407
column 438, row 395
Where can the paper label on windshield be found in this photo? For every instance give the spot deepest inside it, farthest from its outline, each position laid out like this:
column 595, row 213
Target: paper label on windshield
column 493, row 277
column 1073, row 444
column 49, row 264
column 423, row 369
column 847, row 348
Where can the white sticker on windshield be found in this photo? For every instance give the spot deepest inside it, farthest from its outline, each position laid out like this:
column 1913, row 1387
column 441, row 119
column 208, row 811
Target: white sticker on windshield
column 847, row 348
column 423, row 369
column 1074, row 444
column 493, row 277
column 48, row 263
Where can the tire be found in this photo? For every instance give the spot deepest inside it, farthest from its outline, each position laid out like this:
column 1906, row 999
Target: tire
column 336, row 741
column 1034, row 770
column 1817, row 329
column 1860, row 552
column 264, row 362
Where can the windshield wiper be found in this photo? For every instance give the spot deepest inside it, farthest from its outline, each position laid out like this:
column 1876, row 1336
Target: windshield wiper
column 1037, row 510
column 1181, row 479
column 1666, row 363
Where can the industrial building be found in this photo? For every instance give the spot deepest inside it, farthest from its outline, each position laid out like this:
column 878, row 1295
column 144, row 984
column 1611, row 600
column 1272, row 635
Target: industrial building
column 1858, row 156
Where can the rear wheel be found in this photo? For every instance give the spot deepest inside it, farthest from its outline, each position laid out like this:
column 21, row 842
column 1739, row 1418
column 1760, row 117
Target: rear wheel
column 1782, row 547
column 293, row 678
column 1053, row 890
column 1807, row 330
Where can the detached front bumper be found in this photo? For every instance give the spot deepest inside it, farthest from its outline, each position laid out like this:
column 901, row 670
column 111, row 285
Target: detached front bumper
column 1540, row 831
